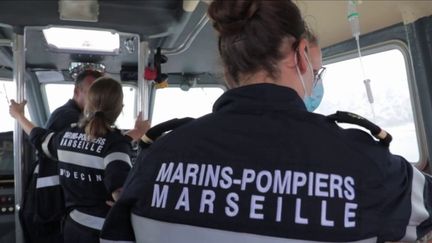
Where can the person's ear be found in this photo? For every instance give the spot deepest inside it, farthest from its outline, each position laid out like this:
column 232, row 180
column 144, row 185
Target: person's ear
column 302, row 59
column 76, row 91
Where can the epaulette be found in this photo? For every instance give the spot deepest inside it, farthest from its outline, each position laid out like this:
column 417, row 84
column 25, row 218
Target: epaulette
column 160, row 129
column 347, row 117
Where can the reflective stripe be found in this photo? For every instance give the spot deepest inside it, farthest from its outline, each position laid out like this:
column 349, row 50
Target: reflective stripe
column 117, row 156
column 47, row 181
column 81, row 159
column 114, row 241
column 45, row 146
column 418, row 209
column 87, row 220
column 154, row 231
column 36, row 169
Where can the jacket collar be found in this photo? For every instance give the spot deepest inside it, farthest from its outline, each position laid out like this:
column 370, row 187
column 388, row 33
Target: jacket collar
column 260, row 97
column 73, row 104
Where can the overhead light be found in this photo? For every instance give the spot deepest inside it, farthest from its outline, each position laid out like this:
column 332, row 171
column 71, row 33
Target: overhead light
column 71, row 39
column 82, row 10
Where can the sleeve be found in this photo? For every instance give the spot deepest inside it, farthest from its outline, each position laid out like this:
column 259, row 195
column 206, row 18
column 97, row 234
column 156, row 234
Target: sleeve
column 118, row 226
column 117, row 165
column 407, row 202
column 43, row 140
column 160, row 129
column 399, row 197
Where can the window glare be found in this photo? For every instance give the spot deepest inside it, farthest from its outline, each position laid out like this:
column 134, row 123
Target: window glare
column 392, row 109
column 58, row 94
column 126, row 120
column 7, row 92
column 173, row 102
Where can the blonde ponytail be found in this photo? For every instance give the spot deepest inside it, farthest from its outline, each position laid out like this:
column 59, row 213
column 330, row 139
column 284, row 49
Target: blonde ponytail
column 103, row 105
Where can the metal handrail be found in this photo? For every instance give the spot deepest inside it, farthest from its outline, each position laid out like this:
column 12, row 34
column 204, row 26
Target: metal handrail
column 18, row 138
column 143, row 86
column 189, row 39
column 6, row 42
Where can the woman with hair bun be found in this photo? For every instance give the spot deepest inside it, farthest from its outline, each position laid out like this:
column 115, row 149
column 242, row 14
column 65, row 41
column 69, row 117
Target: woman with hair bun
column 93, row 158
column 261, row 167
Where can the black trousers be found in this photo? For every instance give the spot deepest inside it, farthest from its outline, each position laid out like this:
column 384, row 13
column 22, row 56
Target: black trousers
column 40, row 232
column 76, row 233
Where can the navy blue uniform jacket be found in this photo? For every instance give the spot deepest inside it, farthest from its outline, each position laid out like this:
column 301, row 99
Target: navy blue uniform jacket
column 43, row 207
column 63, row 116
column 260, row 168
column 49, row 195
column 89, row 169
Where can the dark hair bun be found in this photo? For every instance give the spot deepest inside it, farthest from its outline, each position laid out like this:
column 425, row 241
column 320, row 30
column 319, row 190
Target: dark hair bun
column 251, row 34
column 229, row 17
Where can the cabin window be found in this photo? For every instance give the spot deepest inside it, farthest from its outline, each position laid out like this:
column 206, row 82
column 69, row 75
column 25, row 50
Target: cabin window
column 58, row 94
column 392, row 107
column 173, row 102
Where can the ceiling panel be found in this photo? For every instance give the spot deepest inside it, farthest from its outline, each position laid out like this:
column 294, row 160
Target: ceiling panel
column 328, row 19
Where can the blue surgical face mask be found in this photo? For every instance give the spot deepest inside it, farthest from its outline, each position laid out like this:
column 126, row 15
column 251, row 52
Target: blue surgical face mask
column 313, row 100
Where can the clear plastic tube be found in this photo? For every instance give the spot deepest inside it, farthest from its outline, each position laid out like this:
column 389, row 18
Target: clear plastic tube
column 353, row 19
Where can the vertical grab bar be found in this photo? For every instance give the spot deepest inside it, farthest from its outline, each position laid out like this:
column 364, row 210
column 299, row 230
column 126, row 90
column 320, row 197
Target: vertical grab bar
column 18, row 77
column 143, row 85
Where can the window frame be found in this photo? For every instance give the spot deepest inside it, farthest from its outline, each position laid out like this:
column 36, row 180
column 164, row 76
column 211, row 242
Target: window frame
column 412, row 88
